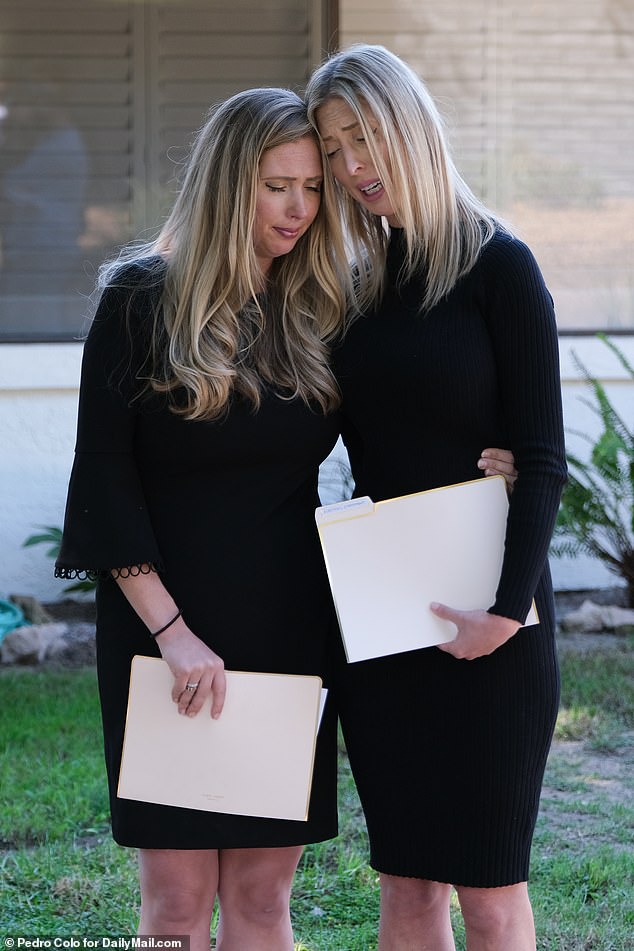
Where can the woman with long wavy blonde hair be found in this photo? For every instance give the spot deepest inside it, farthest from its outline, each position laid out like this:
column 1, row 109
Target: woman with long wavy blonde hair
column 206, row 406
column 213, row 309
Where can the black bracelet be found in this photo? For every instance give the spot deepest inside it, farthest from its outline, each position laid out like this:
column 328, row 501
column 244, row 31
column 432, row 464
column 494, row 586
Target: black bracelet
column 165, row 626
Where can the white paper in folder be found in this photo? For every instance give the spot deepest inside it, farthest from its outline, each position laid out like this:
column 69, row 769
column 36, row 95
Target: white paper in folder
column 387, row 561
column 256, row 759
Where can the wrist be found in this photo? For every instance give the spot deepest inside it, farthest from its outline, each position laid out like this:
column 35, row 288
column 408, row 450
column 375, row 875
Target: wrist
column 167, row 625
column 505, row 622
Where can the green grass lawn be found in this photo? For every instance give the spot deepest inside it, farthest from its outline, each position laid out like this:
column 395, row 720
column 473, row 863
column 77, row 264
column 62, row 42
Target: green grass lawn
column 62, row 875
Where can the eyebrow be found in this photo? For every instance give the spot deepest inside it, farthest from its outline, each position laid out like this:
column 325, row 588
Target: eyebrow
column 344, row 128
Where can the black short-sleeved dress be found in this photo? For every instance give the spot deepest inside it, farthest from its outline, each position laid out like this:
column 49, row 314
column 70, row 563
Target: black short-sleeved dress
column 225, row 512
column 448, row 755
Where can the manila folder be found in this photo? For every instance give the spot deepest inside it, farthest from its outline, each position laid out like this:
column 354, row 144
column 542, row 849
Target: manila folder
column 387, row 561
column 256, row 759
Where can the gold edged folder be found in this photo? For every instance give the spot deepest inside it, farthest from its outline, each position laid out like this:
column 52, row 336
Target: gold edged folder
column 387, row 561
column 256, row 759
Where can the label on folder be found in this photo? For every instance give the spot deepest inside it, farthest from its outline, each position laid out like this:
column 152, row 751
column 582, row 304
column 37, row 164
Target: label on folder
column 387, row 561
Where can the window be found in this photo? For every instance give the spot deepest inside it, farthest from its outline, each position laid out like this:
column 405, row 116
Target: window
column 539, row 99
column 98, row 102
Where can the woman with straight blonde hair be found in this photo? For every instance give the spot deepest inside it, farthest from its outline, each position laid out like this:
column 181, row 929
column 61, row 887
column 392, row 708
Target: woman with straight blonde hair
column 206, row 406
column 455, row 348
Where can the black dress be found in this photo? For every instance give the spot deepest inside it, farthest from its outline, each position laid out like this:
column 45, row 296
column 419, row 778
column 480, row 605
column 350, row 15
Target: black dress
column 225, row 512
column 448, row 755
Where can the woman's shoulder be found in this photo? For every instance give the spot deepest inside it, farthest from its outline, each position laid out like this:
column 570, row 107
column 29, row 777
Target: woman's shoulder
column 131, row 289
column 508, row 276
column 505, row 248
column 128, row 297
column 138, row 274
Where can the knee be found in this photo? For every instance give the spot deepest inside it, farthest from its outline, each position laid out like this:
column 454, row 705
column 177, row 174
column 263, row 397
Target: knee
column 490, row 911
column 176, row 907
column 413, row 897
column 262, row 903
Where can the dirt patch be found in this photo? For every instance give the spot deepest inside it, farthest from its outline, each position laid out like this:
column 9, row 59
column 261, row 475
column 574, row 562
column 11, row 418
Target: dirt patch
column 588, row 641
column 610, row 773
column 587, row 798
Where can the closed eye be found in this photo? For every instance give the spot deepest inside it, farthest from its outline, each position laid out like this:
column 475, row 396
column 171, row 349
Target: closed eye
column 362, row 137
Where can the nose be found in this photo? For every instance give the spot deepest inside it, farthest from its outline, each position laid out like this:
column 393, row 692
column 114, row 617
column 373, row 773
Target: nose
column 298, row 206
column 353, row 161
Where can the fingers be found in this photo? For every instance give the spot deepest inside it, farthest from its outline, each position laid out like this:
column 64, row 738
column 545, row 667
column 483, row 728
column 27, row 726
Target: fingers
column 499, row 462
column 190, row 695
column 218, row 693
column 191, row 690
column 499, row 455
column 198, row 672
column 447, row 614
column 454, row 647
column 490, row 468
column 478, row 632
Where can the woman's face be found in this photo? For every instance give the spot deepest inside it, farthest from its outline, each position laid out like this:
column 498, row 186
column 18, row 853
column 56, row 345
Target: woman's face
column 289, row 194
column 349, row 156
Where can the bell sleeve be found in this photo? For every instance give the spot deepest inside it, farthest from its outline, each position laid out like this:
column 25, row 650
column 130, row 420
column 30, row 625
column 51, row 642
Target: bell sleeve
column 107, row 529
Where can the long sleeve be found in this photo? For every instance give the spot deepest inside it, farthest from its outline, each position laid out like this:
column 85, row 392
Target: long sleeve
column 519, row 314
column 424, row 394
column 106, row 524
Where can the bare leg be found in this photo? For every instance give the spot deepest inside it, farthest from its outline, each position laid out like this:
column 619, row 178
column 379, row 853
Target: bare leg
column 178, row 889
column 414, row 915
column 497, row 919
column 254, row 898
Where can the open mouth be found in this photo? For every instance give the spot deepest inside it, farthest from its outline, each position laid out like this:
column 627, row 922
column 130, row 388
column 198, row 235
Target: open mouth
column 372, row 189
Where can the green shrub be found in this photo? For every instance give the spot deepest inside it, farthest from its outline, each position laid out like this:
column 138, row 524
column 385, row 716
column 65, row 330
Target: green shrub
column 596, row 515
column 52, row 536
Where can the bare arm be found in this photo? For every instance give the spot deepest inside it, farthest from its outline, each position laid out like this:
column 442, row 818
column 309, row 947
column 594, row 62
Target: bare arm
column 189, row 658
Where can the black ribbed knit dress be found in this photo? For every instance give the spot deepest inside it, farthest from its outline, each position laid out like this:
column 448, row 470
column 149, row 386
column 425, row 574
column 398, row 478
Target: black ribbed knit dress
column 448, row 755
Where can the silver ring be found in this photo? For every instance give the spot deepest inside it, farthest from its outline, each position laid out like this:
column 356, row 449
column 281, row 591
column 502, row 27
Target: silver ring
column 191, row 686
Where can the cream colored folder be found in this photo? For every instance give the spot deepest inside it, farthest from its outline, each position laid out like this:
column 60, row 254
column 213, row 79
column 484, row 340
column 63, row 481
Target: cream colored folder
column 387, row 561
column 256, row 759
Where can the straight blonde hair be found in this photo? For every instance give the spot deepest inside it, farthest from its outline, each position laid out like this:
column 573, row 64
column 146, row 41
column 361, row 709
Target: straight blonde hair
column 445, row 225
column 219, row 328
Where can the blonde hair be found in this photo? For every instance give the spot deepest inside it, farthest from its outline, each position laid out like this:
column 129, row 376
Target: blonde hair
column 445, row 225
column 218, row 328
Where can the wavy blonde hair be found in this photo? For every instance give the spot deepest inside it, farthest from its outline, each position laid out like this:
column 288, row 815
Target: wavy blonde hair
column 445, row 225
column 219, row 327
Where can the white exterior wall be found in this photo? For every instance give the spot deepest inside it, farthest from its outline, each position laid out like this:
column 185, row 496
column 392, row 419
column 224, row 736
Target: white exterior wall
column 38, row 412
column 38, row 408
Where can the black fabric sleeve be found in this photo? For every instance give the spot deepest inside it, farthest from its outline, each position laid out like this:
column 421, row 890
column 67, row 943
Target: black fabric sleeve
column 106, row 523
column 519, row 312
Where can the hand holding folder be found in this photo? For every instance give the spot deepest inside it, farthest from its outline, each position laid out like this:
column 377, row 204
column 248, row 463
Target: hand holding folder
column 388, row 561
column 256, row 759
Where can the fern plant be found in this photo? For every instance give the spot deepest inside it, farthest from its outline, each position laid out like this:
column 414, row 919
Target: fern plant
column 596, row 516
column 52, row 536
